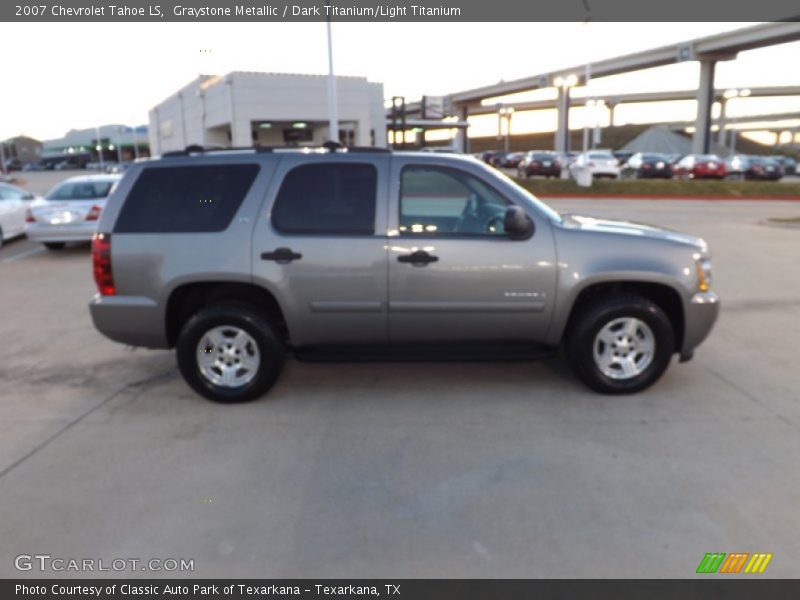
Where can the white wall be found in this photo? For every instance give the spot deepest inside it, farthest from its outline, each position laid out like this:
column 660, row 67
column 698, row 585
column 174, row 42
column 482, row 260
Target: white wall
column 207, row 108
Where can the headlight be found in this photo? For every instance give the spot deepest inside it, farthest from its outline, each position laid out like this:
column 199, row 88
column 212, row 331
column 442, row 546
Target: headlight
column 703, row 269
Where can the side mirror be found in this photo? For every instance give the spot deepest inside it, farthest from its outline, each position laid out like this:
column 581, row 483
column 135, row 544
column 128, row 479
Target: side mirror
column 517, row 224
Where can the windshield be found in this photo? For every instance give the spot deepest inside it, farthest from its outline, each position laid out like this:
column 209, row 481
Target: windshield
column 552, row 214
column 81, row 190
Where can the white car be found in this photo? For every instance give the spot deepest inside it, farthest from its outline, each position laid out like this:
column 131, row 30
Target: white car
column 600, row 163
column 70, row 211
column 14, row 203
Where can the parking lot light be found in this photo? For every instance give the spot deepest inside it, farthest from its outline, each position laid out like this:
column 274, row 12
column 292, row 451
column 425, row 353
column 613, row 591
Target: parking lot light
column 505, row 113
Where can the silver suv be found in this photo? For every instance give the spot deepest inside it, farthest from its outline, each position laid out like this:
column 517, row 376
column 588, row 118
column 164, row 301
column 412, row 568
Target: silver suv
column 236, row 257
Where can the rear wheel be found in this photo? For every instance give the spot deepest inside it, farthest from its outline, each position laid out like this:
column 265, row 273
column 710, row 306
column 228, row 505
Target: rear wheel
column 54, row 245
column 230, row 353
column 621, row 344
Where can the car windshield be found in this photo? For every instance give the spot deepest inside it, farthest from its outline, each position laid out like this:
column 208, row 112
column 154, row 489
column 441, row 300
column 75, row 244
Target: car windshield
column 706, row 157
column 653, row 157
column 601, row 155
column 542, row 156
column 81, row 190
column 547, row 210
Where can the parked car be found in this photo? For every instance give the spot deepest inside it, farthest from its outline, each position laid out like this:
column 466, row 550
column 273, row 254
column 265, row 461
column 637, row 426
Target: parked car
column 236, row 258
column 14, row 203
column 68, row 165
column 788, row 163
column 70, row 211
column 490, row 157
column 601, row 163
column 535, row 162
column 622, row 156
column 647, row 165
column 742, row 166
column 511, row 160
column 700, row 166
column 13, row 164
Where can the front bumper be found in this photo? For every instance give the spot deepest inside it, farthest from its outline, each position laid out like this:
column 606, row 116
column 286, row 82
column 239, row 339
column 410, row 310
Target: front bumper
column 131, row 320
column 701, row 314
column 61, row 233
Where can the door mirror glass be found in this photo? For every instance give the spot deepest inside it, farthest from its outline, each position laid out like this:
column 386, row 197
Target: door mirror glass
column 517, row 224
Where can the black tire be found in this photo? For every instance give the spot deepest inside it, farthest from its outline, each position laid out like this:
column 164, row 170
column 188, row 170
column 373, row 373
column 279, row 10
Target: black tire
column 54, row 245
column 1, row 237
column 586, row 326
column 271, row 349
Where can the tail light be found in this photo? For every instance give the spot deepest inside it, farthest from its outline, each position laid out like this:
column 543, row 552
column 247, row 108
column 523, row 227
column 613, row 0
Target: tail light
column 94, row 213
column 535, row 163
column 557, row 163
column 101, row 264
column 29, row 218
column 647, row 166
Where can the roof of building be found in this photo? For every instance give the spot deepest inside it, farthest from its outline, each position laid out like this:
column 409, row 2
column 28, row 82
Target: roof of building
column 662, row 140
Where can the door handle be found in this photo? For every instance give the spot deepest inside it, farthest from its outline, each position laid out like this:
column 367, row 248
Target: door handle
column 420, row 258
column 281, row 255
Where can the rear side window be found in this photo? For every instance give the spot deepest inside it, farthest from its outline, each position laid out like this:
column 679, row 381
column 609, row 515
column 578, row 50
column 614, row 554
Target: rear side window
column 185, row 199
column 331, row 198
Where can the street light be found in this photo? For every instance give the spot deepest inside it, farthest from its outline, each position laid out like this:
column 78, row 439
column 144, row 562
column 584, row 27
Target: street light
column 99, row 147
column 333, row 113
column 505, row 113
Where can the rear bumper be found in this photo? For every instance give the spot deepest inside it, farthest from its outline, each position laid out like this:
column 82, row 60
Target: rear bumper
column 59, row 233
column 701, row 314
column 131, row 320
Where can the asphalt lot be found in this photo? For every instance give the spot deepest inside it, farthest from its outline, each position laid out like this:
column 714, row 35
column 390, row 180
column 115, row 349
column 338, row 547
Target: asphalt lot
column 409, row 470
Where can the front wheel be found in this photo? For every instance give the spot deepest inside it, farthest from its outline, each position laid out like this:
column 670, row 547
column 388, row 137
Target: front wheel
column 621, row 344
column 230, row 353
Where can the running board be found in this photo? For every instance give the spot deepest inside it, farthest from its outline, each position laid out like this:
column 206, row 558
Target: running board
column 438, row 352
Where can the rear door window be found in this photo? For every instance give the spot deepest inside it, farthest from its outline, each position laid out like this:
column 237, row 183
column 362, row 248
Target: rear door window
column 327, row 199
column 190, row 199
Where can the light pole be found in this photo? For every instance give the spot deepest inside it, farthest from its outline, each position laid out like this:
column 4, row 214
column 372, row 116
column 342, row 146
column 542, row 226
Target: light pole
column 99, row 148
column 119, row 145
column 587, row 75
column 333, row 115
column 504, row 114
column 135, row 145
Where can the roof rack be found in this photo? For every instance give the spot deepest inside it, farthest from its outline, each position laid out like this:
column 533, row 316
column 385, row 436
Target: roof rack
column 331, row 147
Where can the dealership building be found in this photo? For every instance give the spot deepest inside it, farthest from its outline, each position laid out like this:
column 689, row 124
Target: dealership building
column 243, row 109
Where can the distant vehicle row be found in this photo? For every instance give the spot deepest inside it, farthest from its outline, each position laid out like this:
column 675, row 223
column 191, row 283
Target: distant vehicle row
column 67, row 165
column 642, row 165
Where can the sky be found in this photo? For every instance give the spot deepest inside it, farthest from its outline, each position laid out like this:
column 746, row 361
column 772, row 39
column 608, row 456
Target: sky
column 73, row 76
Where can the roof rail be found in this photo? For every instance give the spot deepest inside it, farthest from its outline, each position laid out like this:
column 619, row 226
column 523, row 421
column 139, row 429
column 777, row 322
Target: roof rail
column 331, row 147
